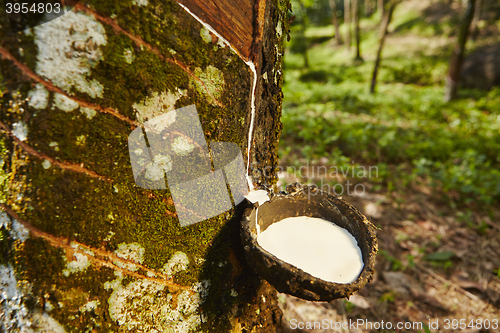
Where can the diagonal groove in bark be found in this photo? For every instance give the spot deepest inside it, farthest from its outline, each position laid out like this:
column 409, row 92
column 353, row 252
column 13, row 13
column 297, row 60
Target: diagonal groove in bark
column 50, row 86
column 140, row 42
column 101, row 258
column 63, row 165
column 258, row 33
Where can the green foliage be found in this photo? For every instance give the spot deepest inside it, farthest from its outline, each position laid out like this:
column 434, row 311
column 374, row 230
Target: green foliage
column 299, row 44
column 442, row 259
column 426, row 328
column 388, row 297
column 314, row 76
column 4, row 176
column 396, row 264
column 440, row 256
column 349, row 307
column 406, row 130
column 315, row 11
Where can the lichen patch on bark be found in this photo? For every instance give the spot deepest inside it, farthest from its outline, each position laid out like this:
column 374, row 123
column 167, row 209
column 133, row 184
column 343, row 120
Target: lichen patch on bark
column 213, row 80
column 68, row 47
column 157, row 104
column 64, row 103
column 38, row 97
column 147, row 306
column 15, row 316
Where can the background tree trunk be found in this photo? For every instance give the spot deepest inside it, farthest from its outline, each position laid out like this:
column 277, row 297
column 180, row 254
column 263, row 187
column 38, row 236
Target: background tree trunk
column 357, row 12
column 474, row 29
column 347, row 23
column 368, row 8
column 84, row 248
column 335, row 22
column 457, row 57
column 381, row 7
column 301, row 40
column 386, row 20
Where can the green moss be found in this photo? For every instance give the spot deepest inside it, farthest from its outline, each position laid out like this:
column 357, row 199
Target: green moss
column 40, row 263
column 4, row 175
column 65, row 203
column 105, row 141
column 148, row 73
column 103, row 215
column 6, row 243
column 3, row 90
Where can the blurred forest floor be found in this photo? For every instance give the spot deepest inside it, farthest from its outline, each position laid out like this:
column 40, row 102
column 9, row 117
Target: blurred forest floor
column 427, row 172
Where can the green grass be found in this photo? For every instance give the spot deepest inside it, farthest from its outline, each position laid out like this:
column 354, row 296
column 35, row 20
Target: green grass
column 405, row 128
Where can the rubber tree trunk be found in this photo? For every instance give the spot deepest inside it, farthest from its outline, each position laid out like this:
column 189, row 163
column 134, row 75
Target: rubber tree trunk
column 347, row 23
column 455, row 67
column 335, row 22
column 386, row 20
column 357, row 36
column 83, row 248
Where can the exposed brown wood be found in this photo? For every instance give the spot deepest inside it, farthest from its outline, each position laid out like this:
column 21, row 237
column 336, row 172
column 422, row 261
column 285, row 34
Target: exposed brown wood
column 258, row 24
column 232, row 19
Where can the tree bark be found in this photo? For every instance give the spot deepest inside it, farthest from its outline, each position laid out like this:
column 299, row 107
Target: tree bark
column 83, row 247
column 347, row 23
column 453, row 78
column 335, row 22
column 386, row 20
column 357, row 9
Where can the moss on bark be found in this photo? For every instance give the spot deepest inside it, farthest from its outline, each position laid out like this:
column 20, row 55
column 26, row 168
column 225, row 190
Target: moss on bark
column 80, row 224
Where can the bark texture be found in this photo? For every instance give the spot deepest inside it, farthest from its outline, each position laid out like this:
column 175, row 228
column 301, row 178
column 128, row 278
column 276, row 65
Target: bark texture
column 83, row 248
